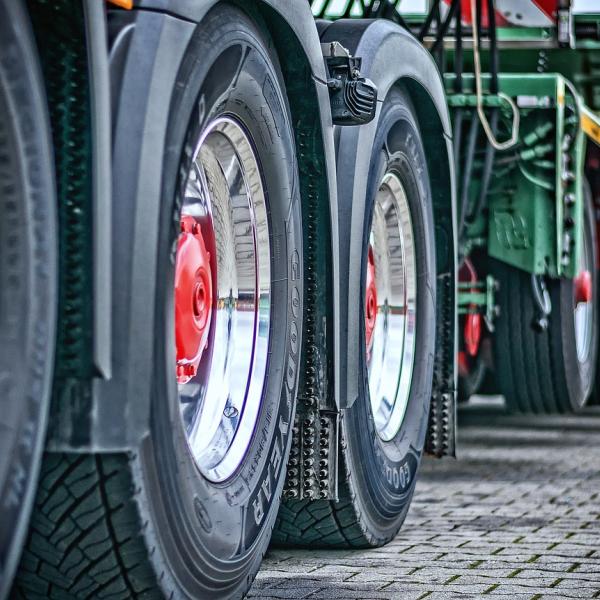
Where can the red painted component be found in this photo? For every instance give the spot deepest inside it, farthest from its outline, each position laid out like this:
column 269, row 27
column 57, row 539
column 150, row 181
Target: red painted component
column 463, row 364
column 193, row 298
column 583, row 287
column 467, row 19
column 472, row 333
column 513, row 13
column 370, row 300
column 473, row 321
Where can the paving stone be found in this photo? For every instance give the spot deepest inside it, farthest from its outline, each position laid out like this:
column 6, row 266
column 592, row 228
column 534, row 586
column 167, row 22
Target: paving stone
column 516, row 516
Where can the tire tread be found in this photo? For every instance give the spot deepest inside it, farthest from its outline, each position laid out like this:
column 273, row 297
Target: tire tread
column 529, row 367
column 86, row 537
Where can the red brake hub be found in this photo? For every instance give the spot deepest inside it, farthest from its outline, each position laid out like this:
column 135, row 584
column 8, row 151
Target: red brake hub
column 473, row 320
column 371, row 300
column 583, row 287
column 472, row 333
column 193, row 298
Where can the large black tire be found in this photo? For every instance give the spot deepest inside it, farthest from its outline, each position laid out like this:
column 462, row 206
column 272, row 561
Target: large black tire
column 28, row 294
column 470, row 382
column 148, row 524
column 377, row 478
column 539, row 371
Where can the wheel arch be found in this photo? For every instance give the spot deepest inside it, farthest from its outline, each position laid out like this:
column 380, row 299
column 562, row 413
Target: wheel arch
column 291, row 26
column 391, row 57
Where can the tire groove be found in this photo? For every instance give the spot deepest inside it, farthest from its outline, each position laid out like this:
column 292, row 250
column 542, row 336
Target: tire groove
column 112, row 532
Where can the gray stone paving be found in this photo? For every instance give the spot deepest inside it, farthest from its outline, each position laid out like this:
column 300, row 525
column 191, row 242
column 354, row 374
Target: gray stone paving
column 517, row 515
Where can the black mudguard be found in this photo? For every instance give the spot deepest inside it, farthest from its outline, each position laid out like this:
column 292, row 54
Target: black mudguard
column 393, row 56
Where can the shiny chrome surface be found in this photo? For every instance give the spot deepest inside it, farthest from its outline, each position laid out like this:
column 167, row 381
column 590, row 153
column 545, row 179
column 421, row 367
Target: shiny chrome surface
column 584, row 311
column 391, row 357
column 220, row 406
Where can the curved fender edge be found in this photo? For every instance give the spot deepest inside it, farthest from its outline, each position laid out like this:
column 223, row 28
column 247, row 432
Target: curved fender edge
column 392, row 56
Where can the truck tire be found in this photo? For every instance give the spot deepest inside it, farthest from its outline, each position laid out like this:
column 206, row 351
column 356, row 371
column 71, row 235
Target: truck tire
column 190, row 514
column 549, row 371
column 382, row 445
column 470, row 379
column 28, row 282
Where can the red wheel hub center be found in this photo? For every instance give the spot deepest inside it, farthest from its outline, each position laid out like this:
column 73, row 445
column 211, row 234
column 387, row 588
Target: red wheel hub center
column 583, row 287
column 473, row 320
column 193, row 298
column 371, row 300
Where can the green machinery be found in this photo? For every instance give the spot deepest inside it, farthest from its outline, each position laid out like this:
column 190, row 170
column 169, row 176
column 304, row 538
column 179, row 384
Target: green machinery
column 523, row 90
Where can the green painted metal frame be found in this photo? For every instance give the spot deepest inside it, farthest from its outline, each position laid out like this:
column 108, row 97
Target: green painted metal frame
column 537, row 227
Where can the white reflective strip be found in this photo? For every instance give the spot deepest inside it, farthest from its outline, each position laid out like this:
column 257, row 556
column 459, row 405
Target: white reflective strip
column 525, row 13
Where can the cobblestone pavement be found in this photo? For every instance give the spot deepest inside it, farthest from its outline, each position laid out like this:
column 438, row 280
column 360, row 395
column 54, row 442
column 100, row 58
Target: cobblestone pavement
column 516, row 516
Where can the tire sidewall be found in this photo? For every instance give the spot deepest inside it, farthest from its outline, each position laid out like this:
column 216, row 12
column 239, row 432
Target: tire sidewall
column 28, row 277
column 385, row 472
column 213, row 535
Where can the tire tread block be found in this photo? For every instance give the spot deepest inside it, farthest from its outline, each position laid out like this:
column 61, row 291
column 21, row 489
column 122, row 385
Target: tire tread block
column 529, row 364
column 85, row 538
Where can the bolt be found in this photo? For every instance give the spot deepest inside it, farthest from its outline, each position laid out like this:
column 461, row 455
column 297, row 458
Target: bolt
column 230, row 412
column 186, row 370
column 540, row 324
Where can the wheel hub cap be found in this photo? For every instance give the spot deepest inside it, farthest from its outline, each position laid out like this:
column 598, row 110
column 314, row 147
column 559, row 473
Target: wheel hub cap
column 371, row 301
column 584, row 310
column 391, row 290
column 473, row 320
column 193, row 298
column 222, row 299
column 583, row 287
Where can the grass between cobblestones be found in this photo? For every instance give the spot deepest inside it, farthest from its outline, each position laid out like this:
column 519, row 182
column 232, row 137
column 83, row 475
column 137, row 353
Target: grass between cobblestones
column 516, row 515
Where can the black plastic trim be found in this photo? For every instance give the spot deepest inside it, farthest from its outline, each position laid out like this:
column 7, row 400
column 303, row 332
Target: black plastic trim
column 95, row 25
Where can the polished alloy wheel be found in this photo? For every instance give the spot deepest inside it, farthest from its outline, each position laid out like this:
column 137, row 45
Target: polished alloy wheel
column 222, row 299
column 583, row 300
column 390, row 312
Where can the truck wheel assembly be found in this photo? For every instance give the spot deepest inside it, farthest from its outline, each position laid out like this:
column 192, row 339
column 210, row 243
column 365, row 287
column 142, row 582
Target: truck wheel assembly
column 550, row 369
column 384, row 431
column 28, row 279
column 253, row 250
column 190, row 514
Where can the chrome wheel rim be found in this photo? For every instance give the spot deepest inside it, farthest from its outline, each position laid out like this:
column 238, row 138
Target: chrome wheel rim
column 390, row 354
column 220, row 402
column 584, row 309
